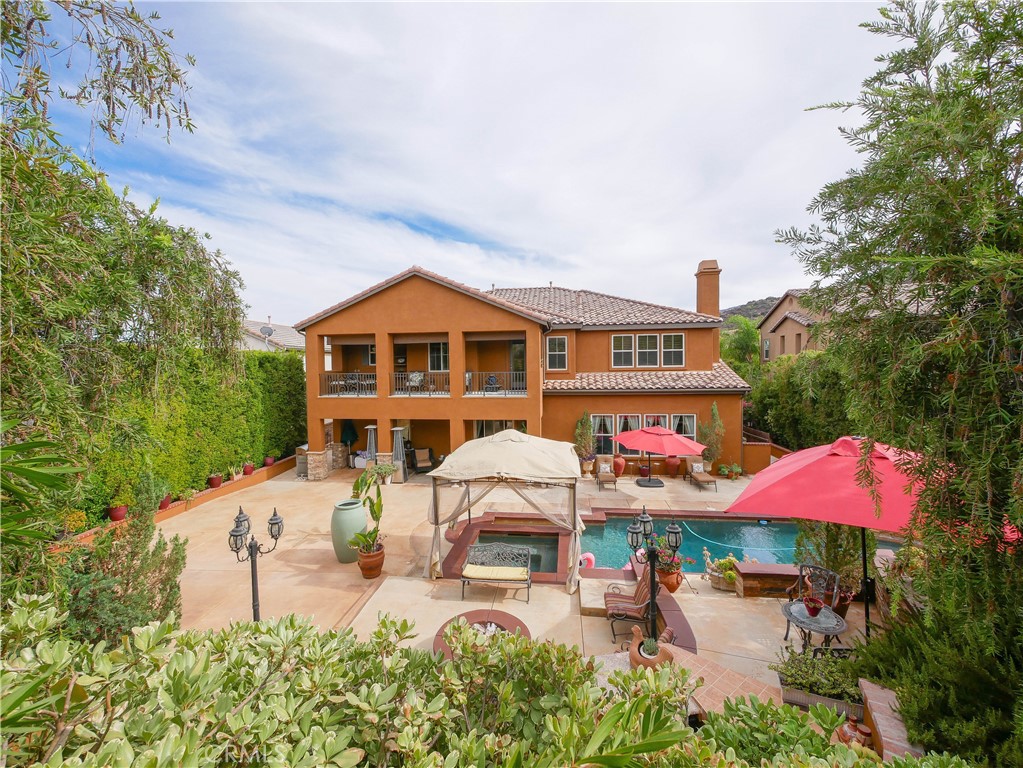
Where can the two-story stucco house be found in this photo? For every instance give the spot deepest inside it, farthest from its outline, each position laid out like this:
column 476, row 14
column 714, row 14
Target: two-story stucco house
column 448, row 363
column 787, row 328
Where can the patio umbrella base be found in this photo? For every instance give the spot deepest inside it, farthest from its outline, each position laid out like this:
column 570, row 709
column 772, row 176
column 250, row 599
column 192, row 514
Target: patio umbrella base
column 650, row 482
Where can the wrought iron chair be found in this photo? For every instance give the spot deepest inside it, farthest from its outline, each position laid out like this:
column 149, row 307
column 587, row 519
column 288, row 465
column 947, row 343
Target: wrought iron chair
column 416, row 380
column 813, row 581
column 492, row 384
column 625, row 606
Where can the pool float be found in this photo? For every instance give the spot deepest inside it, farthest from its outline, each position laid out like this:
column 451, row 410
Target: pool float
column 587, row 560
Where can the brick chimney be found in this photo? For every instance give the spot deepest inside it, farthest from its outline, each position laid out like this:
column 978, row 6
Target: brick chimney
column 708, row 288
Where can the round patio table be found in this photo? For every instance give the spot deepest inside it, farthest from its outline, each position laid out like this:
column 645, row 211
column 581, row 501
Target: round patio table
column 488, row 620
column 827, row 622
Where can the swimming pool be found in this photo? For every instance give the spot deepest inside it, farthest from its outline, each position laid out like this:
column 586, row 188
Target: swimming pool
column 770, row 543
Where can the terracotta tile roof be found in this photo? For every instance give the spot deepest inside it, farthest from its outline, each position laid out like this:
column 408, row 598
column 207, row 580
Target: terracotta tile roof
column 565, row 306
column 283, row 336
column 800, row 317
column 793, row 292
column 489, row 298
column 720, row 377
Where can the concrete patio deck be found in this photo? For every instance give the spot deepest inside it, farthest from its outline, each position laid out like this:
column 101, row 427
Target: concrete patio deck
column 303, row 576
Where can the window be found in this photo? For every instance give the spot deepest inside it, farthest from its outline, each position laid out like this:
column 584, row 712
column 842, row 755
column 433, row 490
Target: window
column 781, row 345
column 627, row 422
column 621, row 351
column 767, row 349
column 646, row 350
column 438, row 356
column 674, row 349
column 684, row 424
column 557, row 353
column 369, row 354
column 655, row 420
column 603, row 431
column 492, row 427
column 799, row 343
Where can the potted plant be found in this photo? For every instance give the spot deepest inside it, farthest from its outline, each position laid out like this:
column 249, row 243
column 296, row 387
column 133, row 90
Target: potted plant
column 723, row 470
column 734, row 471
column 669, row 565
column 647, row 651
column 826, row 679
column 248, row 468
column 721, row 572
column 382, row 473
column 215, row 480
column 368, row 544
column 585, row 444
column 269, row 460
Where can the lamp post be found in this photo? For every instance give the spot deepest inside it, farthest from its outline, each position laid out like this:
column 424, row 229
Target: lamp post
column 236, row 540
column 640, row 535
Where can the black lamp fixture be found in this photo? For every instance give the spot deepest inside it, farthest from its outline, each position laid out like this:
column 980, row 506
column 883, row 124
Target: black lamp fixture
column 236, row 540
column 640, row 536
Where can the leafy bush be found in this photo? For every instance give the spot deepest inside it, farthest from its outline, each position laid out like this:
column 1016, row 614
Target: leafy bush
column 827, row 675
column 285, row 694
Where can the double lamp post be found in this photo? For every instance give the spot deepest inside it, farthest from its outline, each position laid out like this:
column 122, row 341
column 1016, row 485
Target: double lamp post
column 640, row 536
column 236, row 540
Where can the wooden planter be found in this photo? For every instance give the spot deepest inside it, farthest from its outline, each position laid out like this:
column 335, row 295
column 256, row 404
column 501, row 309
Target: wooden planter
column 720, row 582
column 805, row 699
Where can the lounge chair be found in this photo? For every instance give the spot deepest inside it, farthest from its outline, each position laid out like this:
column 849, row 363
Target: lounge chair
column 606, row 476
column 623, row 605
column 697, row 476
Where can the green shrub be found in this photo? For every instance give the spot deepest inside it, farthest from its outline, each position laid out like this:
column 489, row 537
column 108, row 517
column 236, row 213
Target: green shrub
column 827, row 675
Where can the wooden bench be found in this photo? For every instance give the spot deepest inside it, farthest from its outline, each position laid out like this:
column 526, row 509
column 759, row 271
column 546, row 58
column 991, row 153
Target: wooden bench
column 764, row 579
column 497, row 563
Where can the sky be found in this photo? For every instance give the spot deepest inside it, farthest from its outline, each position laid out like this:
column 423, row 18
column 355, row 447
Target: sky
column 600, row 146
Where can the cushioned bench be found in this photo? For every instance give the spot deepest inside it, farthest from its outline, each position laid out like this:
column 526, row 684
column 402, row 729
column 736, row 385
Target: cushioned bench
column 764, row 579
column 497, row 563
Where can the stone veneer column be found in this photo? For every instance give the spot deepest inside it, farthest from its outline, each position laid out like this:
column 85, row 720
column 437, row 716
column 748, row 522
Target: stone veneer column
column 319, row 464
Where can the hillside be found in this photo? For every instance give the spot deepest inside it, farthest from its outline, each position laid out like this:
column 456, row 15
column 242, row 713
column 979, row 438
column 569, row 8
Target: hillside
column 754, row 310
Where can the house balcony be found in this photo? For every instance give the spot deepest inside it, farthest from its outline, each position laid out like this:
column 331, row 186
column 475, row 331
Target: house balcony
column 495, row 384
column 421, row 384
column 348, row 384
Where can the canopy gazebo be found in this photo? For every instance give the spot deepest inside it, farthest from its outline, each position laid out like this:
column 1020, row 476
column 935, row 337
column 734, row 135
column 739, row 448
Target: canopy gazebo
column 529, row 466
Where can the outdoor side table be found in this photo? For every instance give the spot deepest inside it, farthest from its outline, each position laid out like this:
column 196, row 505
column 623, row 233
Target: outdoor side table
column 827, row 622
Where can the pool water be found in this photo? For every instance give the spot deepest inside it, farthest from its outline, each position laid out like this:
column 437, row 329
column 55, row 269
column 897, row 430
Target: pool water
column 544, row 557
column 770, row 543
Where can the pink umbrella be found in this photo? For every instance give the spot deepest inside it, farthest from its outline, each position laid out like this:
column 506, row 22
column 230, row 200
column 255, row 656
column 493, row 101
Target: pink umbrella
column 823, row 484
column 661, row 441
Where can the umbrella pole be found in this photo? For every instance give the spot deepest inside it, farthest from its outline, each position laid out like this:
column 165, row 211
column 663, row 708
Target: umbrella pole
column 866, row 595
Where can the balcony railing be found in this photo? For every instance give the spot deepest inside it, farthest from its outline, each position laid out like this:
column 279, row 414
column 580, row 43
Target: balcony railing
column 342, row 384
column 496, row 383
column 421, row 383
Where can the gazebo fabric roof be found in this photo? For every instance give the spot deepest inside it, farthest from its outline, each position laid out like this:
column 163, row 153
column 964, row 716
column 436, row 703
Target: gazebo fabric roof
column 511, row 455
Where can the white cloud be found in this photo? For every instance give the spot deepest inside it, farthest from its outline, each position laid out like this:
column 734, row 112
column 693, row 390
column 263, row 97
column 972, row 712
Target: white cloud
column 603, row 146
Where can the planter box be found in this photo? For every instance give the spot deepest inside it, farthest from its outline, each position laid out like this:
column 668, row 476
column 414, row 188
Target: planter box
column 806, row 700
column 719, row 582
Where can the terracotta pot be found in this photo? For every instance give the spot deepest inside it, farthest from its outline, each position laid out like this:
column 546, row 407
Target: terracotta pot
column 618, row 464
column 672, row 463
column 248, row 469
column 117, row 513
column 637, row 659
column 670, row 580
column 215, row 481
column 268, row 461
column 644, row 470
column 165, row 501
column 372, row 563
column 813, row 605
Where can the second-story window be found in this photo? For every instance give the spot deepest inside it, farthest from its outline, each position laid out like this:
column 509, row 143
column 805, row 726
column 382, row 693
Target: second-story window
column 557, row 353
column 621, row 351
column 438, row 356
column 674, row 350
column 646, row 350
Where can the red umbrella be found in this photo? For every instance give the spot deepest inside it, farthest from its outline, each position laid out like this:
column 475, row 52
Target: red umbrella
column 661, row 441
column 821, row 484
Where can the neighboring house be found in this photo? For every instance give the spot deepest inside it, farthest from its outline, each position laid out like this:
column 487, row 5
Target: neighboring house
column 282, row 338
column 448, row 363
column 787, row 328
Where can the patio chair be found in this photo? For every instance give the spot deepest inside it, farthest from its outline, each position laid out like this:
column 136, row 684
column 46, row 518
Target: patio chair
column 422, row 459
column 813, row 581
column 415, row 380
column 491, row 384
column 697, row 475
column 606, row 476
column 630, row 607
